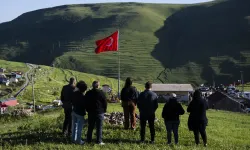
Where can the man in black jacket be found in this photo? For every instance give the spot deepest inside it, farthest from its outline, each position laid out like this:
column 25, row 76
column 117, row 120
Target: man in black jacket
column 66, row 98
column 147, row 104
column 170, row 113
column 96, row 106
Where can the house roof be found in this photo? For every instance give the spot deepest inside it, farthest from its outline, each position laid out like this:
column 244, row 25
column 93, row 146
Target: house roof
column 172, row 87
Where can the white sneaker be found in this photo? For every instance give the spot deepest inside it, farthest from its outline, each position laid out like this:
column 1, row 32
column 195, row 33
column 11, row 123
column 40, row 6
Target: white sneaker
column 101, row 143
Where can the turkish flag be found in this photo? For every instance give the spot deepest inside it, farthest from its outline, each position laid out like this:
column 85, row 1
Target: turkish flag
column 109, row 43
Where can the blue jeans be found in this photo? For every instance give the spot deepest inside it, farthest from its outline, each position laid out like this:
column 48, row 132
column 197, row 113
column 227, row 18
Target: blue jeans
column 172, row 126
column 77, row 125
column 95, row 119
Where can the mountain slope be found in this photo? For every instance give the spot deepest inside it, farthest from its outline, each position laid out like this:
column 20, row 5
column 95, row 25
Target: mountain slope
column 158, row 42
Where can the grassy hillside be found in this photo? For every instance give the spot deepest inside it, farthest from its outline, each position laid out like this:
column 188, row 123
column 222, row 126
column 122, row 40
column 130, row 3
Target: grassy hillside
column 158, row 42
column 49, row 81
column 225, row 131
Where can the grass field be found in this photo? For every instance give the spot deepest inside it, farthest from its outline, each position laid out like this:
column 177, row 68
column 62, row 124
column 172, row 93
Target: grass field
column 226, row 131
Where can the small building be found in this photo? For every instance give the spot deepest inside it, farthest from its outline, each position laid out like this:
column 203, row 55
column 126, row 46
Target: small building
column 4, row 104
column 16, row 75
column 181, row 90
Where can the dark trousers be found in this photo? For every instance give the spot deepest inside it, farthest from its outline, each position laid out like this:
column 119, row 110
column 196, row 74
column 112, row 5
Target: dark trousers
column 172, row 126
column 67, row 121
column 95, row 119
column 201, row 129
column 129, row 112
column 143, row 122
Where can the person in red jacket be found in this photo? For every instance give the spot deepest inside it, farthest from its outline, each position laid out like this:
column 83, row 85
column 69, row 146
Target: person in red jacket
column 170, row 113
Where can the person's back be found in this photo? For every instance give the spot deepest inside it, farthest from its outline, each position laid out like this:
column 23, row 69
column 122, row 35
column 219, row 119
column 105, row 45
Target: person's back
column 197, row 120
column 197, row 109
column 96, row 101
column 96, row 105
column 172, row 110
column 66, row 95
column 78, row 112
column 129, row 94
column 66, row 98
column 147, row 102
column 78, row 102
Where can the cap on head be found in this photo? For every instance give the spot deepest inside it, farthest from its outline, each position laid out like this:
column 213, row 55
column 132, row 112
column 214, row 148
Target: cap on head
column 96, row 84
column 173, row 95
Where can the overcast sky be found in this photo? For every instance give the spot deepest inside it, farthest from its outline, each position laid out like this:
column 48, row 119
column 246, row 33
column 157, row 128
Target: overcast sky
column 10, row 9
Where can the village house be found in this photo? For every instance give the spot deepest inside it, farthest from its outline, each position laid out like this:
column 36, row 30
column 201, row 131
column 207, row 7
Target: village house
column 16, row 75
column 4, row 104
column 181, row 90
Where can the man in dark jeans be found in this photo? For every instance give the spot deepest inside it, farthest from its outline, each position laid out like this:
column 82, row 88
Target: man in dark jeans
column 96, row 106
column 66, row 95
column 147, row 104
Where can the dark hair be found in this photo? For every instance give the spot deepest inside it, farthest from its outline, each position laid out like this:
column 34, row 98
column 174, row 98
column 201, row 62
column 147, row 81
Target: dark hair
column 148, row 85
column 82, row 86
column 197, row 95
column 128, row 82
column 71, row 80
column 95, row 84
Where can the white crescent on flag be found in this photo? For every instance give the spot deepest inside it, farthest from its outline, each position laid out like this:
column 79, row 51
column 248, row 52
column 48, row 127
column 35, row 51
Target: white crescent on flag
column 111, row 41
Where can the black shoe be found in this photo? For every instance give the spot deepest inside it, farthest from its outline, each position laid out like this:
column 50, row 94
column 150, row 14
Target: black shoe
column 152, row 142
column 142, row 141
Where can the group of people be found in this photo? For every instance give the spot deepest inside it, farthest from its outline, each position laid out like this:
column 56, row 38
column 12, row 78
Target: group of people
column 76, row 104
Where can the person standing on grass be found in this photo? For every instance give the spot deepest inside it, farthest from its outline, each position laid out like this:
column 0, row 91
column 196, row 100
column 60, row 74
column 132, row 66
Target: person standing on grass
column 129, row 97
column 66, row 98
column 197, row 120
column 147, row 104
column 96, row 106
column 170, row 113
column 78, row 113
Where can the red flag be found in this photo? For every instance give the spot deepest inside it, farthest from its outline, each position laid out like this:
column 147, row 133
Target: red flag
column 109, row 43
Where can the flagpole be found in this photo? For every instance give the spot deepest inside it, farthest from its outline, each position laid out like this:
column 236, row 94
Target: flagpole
column 118, row 65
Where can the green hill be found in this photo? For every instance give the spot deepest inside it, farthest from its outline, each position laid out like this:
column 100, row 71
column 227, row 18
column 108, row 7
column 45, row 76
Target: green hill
column 48, row 82
column 159, row 42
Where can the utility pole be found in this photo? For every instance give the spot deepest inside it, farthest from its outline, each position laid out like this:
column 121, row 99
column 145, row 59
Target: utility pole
column 33, row 93
column 242, row 81
column 213, row 81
